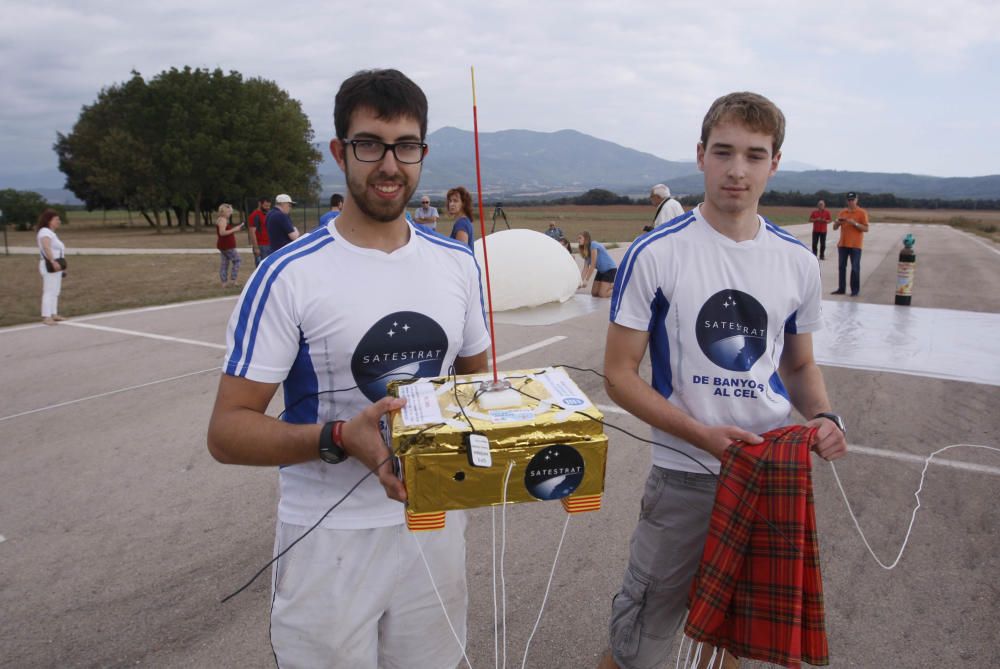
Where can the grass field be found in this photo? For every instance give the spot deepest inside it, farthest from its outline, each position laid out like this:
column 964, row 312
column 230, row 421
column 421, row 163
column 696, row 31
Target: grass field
column 105, row 283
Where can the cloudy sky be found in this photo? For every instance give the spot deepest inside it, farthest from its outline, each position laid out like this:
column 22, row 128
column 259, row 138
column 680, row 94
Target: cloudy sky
column 888, row 86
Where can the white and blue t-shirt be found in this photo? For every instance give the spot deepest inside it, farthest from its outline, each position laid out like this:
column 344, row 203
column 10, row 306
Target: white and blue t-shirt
column 717, row 312
column 334, row 323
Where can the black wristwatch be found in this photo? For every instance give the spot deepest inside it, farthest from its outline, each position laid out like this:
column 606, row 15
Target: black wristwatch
column 837, row 420
column 331, row 448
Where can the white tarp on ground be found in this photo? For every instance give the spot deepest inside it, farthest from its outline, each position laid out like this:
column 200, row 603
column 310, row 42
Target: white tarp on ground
column 527, row 268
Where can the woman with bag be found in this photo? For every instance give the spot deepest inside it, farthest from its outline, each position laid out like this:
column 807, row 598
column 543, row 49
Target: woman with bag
column 51, row 265
column 226, row 243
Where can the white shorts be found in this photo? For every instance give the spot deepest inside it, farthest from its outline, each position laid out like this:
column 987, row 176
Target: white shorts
column 362, row 599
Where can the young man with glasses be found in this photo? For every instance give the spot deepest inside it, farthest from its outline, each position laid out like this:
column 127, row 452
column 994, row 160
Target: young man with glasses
column 426, row 215
column 333, row 317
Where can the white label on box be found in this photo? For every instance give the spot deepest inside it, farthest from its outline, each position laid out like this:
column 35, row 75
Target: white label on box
column 512, row 415
column 421, row 404
column 479, row 451
column 562, row 390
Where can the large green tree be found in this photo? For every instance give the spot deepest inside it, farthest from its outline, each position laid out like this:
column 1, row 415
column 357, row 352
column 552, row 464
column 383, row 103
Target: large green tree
column 186, row 141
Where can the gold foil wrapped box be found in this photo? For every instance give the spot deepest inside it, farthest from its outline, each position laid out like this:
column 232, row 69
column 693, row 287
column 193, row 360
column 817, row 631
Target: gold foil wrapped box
column 552, row 446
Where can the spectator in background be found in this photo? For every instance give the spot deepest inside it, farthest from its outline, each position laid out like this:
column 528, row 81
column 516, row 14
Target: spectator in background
column 596, row 257
column 426, row 215
column 667, row 208
column 336, row 202
column 225, row 241
column 853, row 224
column 280, row 228
column 51, row 265
column 566, row 244
column 820, row 218
column 554, row 231
column 460, row 208
column 258, row 218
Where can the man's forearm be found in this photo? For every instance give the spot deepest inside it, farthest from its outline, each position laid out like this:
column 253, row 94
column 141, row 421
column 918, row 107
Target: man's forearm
column 806, row 390
column 631, row 392
column 243, row 436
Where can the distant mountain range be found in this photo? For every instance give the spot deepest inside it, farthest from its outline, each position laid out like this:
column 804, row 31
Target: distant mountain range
column 541, row 165
column 524, row 164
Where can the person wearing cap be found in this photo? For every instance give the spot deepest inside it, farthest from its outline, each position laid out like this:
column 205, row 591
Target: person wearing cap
column 333, row 318
column 336, row 203
column 426, row 215
column 853, row 224
column 667, row 208
column 280, row 228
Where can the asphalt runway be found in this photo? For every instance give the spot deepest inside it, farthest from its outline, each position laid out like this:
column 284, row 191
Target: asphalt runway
column 120, row 534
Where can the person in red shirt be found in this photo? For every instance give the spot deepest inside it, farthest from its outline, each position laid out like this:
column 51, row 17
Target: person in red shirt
column 820, row 218
column 258, row 216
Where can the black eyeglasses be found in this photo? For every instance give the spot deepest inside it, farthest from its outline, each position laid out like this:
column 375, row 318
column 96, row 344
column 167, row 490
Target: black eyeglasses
column 372, row 150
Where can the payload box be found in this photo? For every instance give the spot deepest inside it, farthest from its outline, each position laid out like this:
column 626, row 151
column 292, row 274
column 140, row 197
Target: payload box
column 458, row 450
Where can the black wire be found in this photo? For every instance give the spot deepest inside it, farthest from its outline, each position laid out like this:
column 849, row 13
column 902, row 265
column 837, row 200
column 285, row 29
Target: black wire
column 687, row 455
column 412, row 439
column 340, row 501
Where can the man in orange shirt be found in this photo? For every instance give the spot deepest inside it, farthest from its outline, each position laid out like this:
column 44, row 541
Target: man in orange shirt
column 853, row 224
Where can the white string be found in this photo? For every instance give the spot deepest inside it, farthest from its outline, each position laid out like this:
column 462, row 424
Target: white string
column 913, row 516
column 680, row 647
column 503, row 553
column 420, row 550
column 496, row 628
column 546, row 596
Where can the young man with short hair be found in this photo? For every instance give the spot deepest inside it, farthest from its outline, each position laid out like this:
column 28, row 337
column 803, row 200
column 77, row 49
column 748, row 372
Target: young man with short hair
column 258, row 218
column 354, row 592
column 336, row 204
column 853, row 224
column 725, row 303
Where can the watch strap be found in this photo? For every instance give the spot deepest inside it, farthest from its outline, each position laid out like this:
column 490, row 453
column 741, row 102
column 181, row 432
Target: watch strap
column 331, row 445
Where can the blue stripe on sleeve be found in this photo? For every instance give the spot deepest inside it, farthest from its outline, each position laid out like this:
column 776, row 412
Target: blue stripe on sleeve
column 639, row 245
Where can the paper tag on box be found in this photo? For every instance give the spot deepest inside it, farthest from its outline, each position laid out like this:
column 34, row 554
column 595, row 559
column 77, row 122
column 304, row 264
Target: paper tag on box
column 562, row 390
column 421, row 404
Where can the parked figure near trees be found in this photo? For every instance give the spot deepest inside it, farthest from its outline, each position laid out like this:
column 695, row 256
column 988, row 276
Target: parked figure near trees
column 51, row 265
column 258, row 222
column 460, row 209
column 225, row 234
column 596, row 258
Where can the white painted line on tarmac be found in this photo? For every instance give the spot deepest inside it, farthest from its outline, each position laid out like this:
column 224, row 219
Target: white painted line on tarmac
column 148, row 335
column 878, row 452
column 110, row 392
column 528, row 349
column 160, row 307
column 920, row 459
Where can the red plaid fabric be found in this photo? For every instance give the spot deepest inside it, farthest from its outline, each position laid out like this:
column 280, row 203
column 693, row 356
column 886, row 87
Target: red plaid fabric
column 758, row 593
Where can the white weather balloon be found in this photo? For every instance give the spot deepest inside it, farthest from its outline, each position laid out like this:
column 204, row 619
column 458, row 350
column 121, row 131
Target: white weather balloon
column 527, row 268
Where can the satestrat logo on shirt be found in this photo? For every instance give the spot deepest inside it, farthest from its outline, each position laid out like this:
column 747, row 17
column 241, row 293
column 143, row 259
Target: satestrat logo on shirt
column 732, row 330
column 554, row 472
column 401, row 345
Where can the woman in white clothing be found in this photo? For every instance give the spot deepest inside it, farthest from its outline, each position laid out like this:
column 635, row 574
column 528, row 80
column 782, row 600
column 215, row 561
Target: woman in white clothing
column 52, row 250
